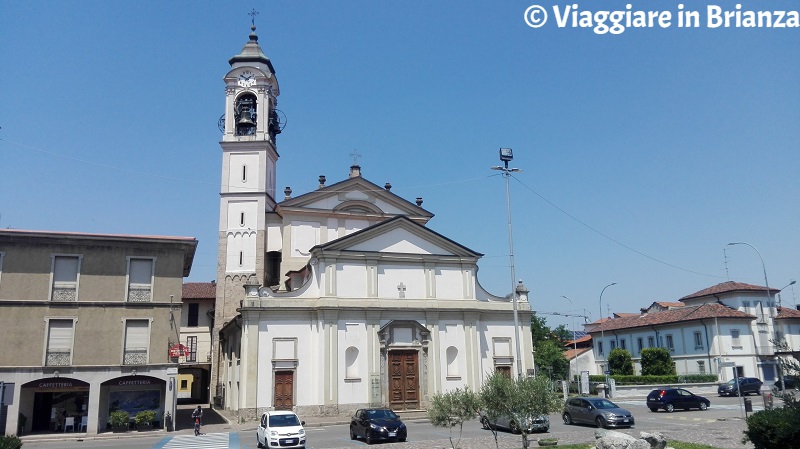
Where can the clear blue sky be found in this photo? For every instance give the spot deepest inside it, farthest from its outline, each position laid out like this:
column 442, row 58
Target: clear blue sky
column 644, row 153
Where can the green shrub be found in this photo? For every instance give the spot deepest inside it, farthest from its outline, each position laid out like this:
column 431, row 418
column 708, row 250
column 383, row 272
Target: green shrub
column 145, row 417
column 656, row 380
column 10, row 442
column 119, row 418
column 778, row 428
column 656, row 361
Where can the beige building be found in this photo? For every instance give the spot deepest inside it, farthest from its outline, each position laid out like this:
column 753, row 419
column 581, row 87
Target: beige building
column 197, row 320
column 90, row 318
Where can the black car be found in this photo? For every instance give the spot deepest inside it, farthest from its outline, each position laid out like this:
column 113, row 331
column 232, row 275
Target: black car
column 746, row 385
column 671, row 398
column 792, row 383
column 377, row 424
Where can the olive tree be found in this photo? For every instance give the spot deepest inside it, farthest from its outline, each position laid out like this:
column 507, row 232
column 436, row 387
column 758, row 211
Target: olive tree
column 452, row 408
column 520, row 400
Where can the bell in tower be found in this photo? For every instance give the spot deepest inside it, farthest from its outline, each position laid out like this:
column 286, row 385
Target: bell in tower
column 245, row 115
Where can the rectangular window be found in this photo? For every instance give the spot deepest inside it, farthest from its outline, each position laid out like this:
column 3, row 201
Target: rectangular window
column 622, row 344
column 735, row 342
column 65, row 278
column 701, row 367
column 651, row 341
column 140, row 279
column 59, row 343
column 244, row 173
column 746, row 304
column 137, row 340
column 600, row 347
column 193, row 316
column 670, row 343
column 613, row 344
column 241, row 219
column 191, row 343
column 698, row 340
column 640, row 344
column 1, row 263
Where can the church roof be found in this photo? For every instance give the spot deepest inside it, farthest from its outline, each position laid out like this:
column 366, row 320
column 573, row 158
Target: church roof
column 728, row 287
column 251, row 53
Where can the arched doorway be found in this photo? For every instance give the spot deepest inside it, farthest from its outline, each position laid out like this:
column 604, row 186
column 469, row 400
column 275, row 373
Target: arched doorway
column 57, row 401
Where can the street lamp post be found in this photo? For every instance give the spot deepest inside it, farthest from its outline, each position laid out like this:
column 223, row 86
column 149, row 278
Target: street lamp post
column 769, row 298
column 602, row 332
column 574, row 341
column 506, row 155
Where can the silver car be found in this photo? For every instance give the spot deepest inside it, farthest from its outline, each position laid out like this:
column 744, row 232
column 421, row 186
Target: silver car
column 537, row 424
column 598, row 411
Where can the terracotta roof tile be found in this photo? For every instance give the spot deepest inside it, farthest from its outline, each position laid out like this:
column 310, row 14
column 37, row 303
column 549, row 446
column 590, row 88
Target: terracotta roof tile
column 583, row 339
column 624, row 314
column 728, row 287
column 199, row 290
column 571, row 353
column 787, row 313
column 670, row 304
column 681, row 314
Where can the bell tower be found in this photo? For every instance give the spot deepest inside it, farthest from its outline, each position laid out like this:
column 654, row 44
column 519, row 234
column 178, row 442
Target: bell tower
column 249, row 129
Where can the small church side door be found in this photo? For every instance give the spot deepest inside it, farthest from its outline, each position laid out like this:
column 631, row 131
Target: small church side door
column 404, row 380
column 284, row 390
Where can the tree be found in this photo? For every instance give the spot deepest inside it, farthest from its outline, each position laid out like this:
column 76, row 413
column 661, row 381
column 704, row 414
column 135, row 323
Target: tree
column 519, row 399
column 620, row 362
column 657, row 362
column 452, row 408
column 548, row 346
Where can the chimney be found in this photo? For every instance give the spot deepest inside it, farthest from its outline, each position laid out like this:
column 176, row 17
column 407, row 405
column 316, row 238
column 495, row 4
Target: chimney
column 321, row 181
column 419, row 201
column 387, row 186
column 288, row 192
column 355, row 171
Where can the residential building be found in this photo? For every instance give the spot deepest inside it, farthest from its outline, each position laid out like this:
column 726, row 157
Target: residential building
column 87, row 320
column 341, row 298
column 197, row 321
column 731, row 322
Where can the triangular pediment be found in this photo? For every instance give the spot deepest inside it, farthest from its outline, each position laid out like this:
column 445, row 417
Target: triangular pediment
column 354, row 196
column 399, row 235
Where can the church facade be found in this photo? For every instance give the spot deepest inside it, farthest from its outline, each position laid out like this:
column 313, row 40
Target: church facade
column 340, row 298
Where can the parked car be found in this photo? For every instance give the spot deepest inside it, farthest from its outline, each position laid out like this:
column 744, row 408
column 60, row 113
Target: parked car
column 377, row 424
column 746, row 385
column 280, row 428
column 540, row 423
column 598, row 411
column 792, row 383
column 671, row 398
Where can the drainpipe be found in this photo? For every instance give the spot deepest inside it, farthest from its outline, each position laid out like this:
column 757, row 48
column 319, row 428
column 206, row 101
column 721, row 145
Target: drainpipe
column 708, row 345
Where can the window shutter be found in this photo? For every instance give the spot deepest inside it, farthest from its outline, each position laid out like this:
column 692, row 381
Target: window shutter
column 65, row 269
column 141, row 271
column 60, row 336
column 136, row 333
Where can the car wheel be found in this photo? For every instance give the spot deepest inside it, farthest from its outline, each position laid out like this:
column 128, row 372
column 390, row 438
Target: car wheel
column 353, row 435
column 401, row 440
column 653, row 409
column 600, row 423
column 513, row 427
column 703, row 406
column 258, row 442
column 368, row 437
column 669, row 408
column 567, row 419
column 485, row 423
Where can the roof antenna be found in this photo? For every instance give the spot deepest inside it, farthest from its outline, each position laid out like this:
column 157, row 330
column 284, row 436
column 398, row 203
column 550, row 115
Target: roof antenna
column 725, row 256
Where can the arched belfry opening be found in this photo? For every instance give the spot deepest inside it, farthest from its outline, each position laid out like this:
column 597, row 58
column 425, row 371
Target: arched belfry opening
column 246, row 113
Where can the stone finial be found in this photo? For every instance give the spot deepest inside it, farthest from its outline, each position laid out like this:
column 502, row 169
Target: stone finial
column 321, row 181
column 419, row 201
column 387, row 186
column 288, row 192
column 355, row 171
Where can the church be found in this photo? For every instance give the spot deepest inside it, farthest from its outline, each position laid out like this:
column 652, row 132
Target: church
column 340, row 298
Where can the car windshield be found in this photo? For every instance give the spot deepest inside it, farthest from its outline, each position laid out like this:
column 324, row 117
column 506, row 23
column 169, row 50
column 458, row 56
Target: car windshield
column 283, row 420
column 381, row 414
column 602, row 403
column 732, row 381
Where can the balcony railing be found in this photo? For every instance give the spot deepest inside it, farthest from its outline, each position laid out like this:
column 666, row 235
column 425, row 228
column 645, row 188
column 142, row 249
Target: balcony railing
column 135, row 357
column 58, row 357
column 65, row 293
column 139, row 293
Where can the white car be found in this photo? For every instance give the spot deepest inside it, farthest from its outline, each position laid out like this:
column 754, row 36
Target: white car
column 281, row 428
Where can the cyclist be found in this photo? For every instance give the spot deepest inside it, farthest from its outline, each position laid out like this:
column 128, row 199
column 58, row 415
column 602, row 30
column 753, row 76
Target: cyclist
column 197, row 415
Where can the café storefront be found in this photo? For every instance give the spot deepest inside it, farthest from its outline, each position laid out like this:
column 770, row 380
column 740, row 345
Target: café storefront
column 57, row 404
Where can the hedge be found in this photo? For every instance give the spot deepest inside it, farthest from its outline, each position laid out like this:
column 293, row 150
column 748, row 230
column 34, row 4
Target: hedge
column 657, row 380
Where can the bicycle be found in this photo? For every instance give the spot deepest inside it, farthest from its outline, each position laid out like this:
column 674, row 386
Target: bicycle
column 196, row 426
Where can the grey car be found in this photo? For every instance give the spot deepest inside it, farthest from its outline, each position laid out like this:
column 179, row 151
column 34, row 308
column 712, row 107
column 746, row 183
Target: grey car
column 598, row 411
column 538, row 424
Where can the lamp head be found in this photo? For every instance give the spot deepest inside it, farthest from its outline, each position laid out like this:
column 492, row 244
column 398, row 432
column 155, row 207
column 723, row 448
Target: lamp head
column 506, row 154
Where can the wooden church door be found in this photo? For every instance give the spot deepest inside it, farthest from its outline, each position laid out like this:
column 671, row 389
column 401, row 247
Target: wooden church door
column 284, row 390
column 404, row 380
